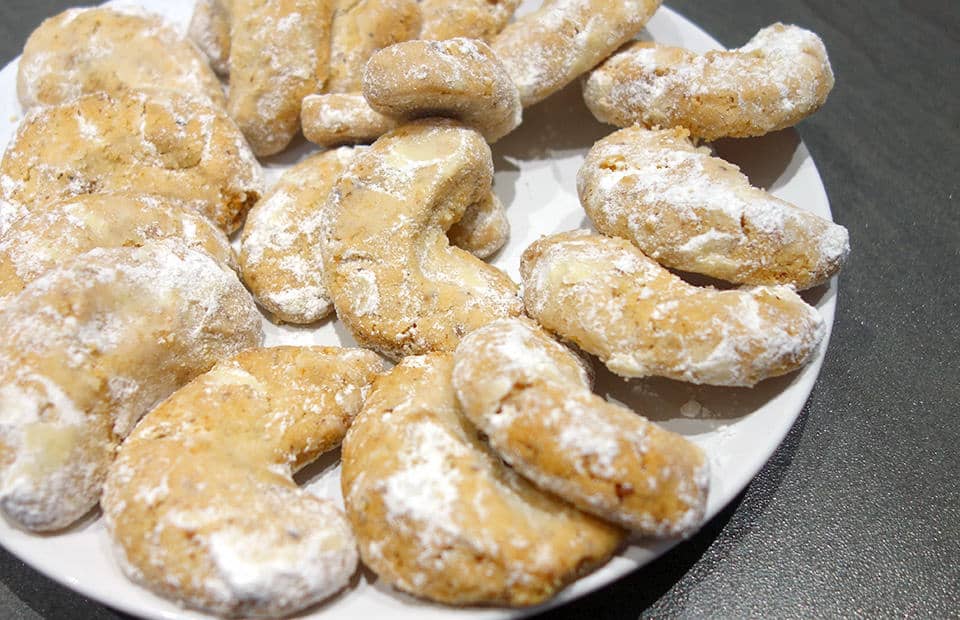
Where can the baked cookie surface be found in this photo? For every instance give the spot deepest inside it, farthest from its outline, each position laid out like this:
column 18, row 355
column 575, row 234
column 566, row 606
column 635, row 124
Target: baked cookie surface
column 437, row 514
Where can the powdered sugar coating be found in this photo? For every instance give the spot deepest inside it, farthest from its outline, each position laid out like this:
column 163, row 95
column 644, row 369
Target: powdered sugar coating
column 86, row 50
column 483, row 229
column 149, row 319
column 776, row 80
column 545, row 50
column 53, row 235
column 279, row 54
column 280, row 254
column 437, row 513
column 342, row 118
column 456, row 78
column 641, row 320
column 521, row 389
column 210, row 31
column 152, row 142
column 200, row 500
column 698, row 213
column 384, row 240
column 474, row 19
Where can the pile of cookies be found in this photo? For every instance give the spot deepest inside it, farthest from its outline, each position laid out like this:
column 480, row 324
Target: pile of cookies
column 481, row 469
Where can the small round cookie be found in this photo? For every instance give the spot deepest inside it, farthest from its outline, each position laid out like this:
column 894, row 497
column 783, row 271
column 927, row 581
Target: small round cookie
column 360, row 28
column 342, row 118
column 200, row 503
column 279, row 54
column 456, row 78
column 210, row 31
column 776, row 80
column 436, row 512
column 474, row 19
column 603, row 294
column 280, row 256
column 91, row 346
column 86, row 50
column 545, row 50
column 483, row 229
column 691, row 211
column 527, row 393
column 397, row 283
column 53, row 235
column 156, row 143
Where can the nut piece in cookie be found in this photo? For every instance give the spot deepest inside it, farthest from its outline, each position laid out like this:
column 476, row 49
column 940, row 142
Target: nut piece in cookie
column 439, row 515
column 603, row 294
column 156, row 143
column 397, row 283
column 691, row 211
column 545, row 50
column 201, row 503
column 279, row 54
column 529, row 395
column 456, row 78
column 280, row 255
column 776, row 80
column 58, row 232
column 83, row 51
column 91, row 346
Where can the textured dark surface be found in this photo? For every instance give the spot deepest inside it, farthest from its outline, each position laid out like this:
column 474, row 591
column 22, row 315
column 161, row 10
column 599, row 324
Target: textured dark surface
column 857, row 513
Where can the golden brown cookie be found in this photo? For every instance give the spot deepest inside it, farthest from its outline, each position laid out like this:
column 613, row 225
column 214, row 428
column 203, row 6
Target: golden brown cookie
column 280, row 256
column 332, row 119
column 200, row 502
column 91, row 346
column 279, row 54
column 545, row 50
column 456, row 78
column 53, row 235
column 694, row 212
column 87, row 50
column 527, row 393
column 436, row 512
column 641, row 320
column 210, row 31
column 360, row 28
column 395, row 280
column 483, row 229
column 146, row 143
column 474, row 19
column 776, row 80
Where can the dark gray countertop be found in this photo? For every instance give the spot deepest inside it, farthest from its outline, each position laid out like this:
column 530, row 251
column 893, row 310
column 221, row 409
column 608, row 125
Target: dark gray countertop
column 858, row 512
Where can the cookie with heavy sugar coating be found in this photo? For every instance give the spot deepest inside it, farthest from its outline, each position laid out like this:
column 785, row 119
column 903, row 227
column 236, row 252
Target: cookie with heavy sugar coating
column 396, row 281
column 529, row 395
column 456, row 78
column 210, row 31
column 436, row 512
column 279, row 54
column 603, row 294
column 280, row 255
column 776, row 80
column 545, row 50
column 200, row 502
column 53, row 235
column 87, row 50
column 691, row 211
column 91, row 346
column 156, row 143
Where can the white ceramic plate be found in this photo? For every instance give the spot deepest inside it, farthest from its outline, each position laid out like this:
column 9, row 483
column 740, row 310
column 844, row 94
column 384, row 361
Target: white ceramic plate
column 536, row 170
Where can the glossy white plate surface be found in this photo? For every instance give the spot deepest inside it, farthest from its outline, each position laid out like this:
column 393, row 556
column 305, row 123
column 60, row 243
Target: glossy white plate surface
column 536, row 169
